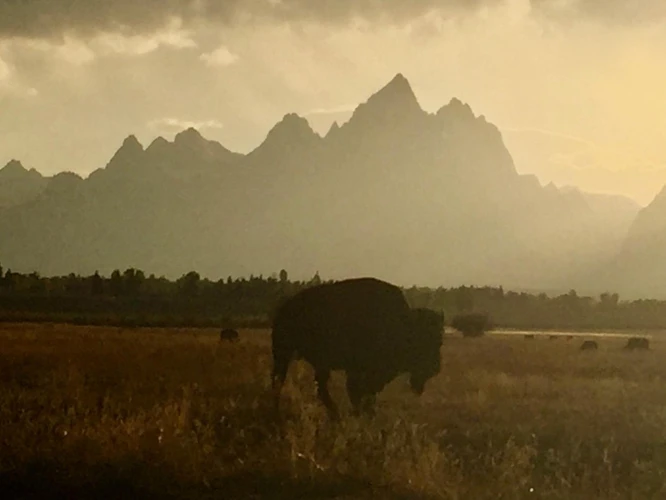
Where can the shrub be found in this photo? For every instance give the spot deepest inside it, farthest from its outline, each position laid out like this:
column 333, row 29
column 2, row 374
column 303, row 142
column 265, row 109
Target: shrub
column 472, row 324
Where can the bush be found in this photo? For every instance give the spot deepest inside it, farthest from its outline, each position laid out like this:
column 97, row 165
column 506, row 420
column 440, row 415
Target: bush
column 472, row 324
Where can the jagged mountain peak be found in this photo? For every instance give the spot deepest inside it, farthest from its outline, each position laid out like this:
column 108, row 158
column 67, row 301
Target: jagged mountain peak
column 398, row 89
column 189, row 137
column 129, row 153
column 189, row 151
column 18, row 184
column 131, row 147
column 13, row 166
column 14, row 170
column 395, row 100
column 292, row 129
column 456, row 110
column 333, row 129
column 390, row 112
column 131, row 143
column 389, row 186
column 294, row 120
column 158, row 144
column 399, row 85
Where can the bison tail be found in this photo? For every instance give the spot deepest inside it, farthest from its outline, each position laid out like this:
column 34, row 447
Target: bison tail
column 282, row 354
column 280, row 368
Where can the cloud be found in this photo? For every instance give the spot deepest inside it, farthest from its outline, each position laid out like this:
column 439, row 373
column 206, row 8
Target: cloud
column 53, row 18
column 5, row 70
column 9, row 85
column 78, row 51
column 75, row 52
column 333, row 110
column 611, row 11
column 56, row 18
column 549, row 133
column 172, row 36
column 219, row 57
column 69, row 50
column 171, row 124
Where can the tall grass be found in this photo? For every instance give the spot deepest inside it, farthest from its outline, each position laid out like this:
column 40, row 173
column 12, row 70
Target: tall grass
column 95, row 411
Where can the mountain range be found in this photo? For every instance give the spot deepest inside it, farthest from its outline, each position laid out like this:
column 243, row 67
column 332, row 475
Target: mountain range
column 395, row 192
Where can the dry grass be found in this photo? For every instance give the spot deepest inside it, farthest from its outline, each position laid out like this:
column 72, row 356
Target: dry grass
column 169, row 413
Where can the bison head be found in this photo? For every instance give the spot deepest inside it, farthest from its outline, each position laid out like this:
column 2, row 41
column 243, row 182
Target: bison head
column 424, row 358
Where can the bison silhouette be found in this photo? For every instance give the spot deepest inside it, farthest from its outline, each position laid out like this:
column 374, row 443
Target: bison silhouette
column 229, row 335
column 589, row 345
column 637, row 343
column 363, row 326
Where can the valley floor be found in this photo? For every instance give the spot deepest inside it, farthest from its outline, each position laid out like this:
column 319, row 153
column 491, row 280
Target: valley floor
column 101, row 412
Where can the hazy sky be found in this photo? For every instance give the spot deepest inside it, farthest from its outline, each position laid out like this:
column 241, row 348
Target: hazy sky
column 576, row 86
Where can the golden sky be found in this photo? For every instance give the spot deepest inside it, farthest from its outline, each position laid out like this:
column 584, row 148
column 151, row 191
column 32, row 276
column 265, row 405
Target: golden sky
column 576, row 86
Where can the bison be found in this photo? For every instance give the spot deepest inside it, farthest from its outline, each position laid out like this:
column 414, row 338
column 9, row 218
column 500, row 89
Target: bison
column 589, row 345
column 637, row 343
column 529, row 336
column 362, row 326
column 229, row 334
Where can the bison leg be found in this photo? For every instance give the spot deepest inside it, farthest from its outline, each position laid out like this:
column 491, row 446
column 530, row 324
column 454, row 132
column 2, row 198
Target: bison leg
column 361, row 398
column 321, row 377
column 280, row 368
column 368, row 403
column 354, row 391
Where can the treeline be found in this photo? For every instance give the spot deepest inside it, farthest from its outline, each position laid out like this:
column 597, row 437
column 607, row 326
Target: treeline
column 132, row 299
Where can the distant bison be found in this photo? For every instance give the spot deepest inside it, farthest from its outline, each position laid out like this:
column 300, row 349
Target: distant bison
column 472, row 324
column 589, row 345
column 530, row 336
column 553, row 337
column 229, row 335
column 570, row 337
column 363, row 326
column 637, row 343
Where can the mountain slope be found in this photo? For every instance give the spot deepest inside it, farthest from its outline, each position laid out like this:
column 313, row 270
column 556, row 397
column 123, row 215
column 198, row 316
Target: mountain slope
column 394, row 192
column 19, row 185
column 639, row 270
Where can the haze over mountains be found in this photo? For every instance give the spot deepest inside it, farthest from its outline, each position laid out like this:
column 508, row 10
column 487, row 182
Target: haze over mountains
column 395, row 192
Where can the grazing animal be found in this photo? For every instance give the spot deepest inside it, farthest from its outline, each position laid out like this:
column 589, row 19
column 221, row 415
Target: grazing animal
column 229, row 335
column 570, row 337
column 637, row 343
column 363, row 326
column 553, row 337
column 589, row 345
column 529, row 336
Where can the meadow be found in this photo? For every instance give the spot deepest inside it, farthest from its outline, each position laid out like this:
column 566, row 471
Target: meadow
column 103, row 412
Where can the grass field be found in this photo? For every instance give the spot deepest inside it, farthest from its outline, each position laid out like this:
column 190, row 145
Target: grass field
column 95, row 412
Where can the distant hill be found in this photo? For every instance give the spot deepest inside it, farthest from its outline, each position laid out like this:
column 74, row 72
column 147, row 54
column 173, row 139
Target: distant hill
column 613, row 210
column 394, row 192
column 639, row 269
